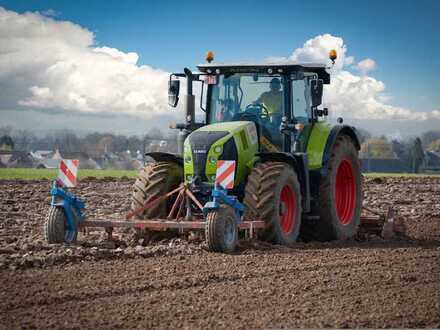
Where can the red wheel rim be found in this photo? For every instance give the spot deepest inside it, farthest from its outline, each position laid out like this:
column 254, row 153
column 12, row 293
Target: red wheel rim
column 345, row 192
column 287, row 209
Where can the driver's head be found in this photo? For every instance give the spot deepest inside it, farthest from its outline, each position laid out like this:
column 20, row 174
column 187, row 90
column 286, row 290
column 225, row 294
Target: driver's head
column 275, row 85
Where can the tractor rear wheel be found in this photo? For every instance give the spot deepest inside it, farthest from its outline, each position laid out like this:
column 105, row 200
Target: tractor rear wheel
column 273, row 194
column 221, row 230
column 155, row 180
column 340, row 193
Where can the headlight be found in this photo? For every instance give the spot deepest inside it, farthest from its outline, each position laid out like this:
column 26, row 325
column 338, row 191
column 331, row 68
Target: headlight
column 213, row 160
column 218, row 149
column 188, row 159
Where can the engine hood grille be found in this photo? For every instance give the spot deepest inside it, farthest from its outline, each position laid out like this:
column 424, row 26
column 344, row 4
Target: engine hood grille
column 201, row 142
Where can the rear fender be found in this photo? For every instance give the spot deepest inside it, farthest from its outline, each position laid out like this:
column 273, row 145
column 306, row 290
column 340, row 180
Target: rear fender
column 331, row 140
column 299, row 162
column 165, row 157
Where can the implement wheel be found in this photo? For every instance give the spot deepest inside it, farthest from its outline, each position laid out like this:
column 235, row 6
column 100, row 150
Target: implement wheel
column 55, row 227
column 221, row 230
column 273, row 194
column 155, row 180
column 340, row 193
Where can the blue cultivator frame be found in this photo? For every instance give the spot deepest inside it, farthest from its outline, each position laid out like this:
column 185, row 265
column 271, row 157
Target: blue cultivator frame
column 220, row 195
column 73, row 209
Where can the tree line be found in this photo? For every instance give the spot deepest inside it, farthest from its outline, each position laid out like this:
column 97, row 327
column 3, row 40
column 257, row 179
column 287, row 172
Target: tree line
column 93, row 144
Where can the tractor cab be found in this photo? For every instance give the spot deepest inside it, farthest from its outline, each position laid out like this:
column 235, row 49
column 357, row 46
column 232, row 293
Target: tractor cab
column 280, row 99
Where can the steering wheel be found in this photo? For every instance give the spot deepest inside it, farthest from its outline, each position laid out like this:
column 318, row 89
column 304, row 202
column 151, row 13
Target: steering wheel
column 260, row 110
column 253, row 112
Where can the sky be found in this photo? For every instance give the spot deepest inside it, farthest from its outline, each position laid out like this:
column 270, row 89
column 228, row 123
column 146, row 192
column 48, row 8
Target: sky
column 104, row 64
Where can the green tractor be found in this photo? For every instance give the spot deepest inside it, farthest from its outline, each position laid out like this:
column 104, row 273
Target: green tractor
column 293, row 171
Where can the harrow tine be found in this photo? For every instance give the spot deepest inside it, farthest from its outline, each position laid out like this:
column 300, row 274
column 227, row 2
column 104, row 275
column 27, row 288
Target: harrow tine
column 194, row 199
column 153, row 202
column 176, row 203
column 181, row 206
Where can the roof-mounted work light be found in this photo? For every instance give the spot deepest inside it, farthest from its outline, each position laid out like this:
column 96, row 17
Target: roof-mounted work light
column 209, row 57
column 332, row 55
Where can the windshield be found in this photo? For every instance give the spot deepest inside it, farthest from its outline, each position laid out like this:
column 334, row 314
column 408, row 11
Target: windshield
column 235, row 94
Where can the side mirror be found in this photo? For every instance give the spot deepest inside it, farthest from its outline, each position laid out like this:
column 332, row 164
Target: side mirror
column 173, row 92
column 316, row 87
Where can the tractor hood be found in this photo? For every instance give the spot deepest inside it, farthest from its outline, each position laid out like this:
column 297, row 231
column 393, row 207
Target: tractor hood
column 205, row 146
column 231, row 126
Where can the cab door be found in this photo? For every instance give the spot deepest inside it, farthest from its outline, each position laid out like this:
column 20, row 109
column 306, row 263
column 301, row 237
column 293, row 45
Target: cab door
column 301, row 111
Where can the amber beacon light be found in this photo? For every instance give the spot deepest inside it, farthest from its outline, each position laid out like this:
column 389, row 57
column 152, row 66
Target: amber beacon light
column 333, row 55
column 209, row 56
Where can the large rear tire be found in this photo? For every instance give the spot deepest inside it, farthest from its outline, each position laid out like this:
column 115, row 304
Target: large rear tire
column 155, row 180
column 340, row 193
column 273, row 194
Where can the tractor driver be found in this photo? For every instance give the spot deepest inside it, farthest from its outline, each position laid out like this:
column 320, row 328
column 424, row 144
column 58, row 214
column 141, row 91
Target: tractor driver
column 273, row 99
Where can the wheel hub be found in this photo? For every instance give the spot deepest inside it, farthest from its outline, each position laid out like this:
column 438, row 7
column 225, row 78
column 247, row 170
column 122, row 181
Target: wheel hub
column 287, row 209
column 345, row 192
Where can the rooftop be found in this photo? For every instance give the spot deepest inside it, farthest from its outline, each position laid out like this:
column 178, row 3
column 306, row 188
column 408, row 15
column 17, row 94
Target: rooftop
column 281, row 67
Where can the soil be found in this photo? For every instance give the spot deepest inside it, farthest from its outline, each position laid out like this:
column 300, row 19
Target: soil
column 175, row 282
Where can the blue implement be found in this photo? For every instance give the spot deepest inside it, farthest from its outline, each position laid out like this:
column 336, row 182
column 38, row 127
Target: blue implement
column 220, row 195
column 73, row 209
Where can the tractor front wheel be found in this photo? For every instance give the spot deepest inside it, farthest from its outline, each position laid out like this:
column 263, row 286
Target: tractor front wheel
column 221, row 230
column 273, row 194
column 155, row 180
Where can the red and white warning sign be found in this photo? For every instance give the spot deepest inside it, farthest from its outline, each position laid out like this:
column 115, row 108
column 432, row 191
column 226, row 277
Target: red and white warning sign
column 68, row 172
column 225, row 173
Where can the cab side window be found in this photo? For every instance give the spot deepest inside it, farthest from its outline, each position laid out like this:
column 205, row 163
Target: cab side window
column 300, row 100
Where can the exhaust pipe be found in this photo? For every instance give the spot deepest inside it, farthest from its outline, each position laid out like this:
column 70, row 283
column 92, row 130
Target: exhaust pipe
column 189, row 108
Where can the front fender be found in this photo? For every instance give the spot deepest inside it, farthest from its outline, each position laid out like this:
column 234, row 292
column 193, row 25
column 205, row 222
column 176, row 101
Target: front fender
column 331, row 140
column 166, row 157
column 283, row 157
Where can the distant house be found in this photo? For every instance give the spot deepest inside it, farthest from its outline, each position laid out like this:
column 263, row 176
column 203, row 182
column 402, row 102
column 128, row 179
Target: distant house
column 432, row 160
column 85, row 161
column 16, row 159
column 42, row 154
column 381, row 165
column 48, row 163
column 6, row 143
column 51, row 159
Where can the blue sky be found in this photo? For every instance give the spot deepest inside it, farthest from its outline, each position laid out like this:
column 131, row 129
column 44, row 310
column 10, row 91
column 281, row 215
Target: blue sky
column 401, row 36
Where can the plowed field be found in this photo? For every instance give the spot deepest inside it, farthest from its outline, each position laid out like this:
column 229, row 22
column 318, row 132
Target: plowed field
column 175, row 283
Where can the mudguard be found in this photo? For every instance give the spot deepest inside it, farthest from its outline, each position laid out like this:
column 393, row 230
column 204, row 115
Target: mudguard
column 334, row 133
column 165, row 157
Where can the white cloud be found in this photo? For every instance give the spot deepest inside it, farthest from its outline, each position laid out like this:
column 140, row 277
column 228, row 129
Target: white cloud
column 56, row 66
column 366, row 65
column 316, row 50
column 49, row 64
column 130, row 58
column 349, row 95
column 358, row 97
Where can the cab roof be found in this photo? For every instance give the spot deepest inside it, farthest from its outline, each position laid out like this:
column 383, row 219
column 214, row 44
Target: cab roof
column 281, row 68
